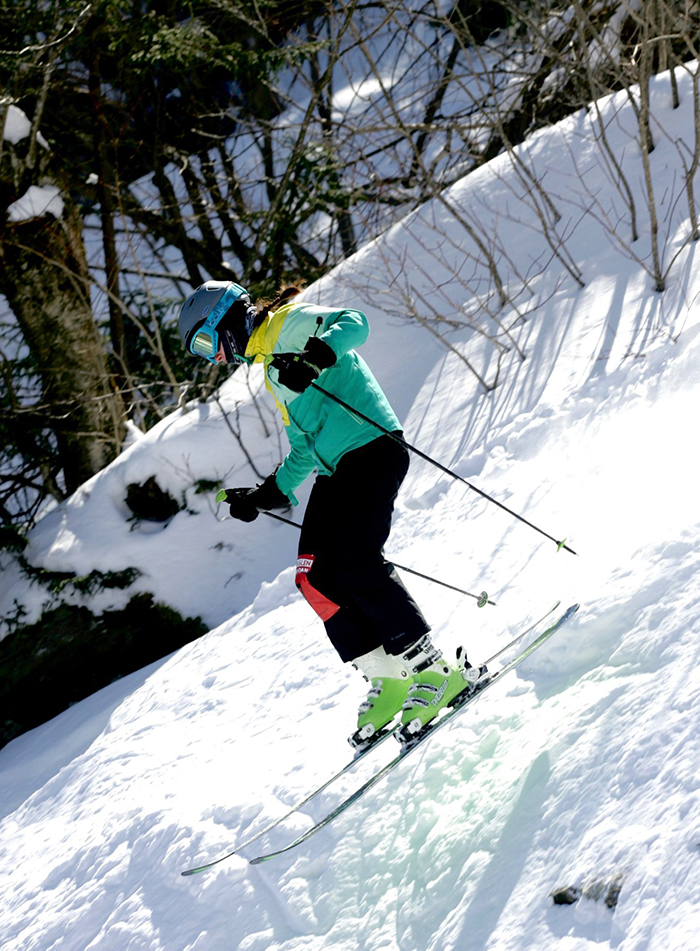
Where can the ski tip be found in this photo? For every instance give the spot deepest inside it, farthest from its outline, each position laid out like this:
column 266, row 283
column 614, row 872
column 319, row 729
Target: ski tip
column 220, row 497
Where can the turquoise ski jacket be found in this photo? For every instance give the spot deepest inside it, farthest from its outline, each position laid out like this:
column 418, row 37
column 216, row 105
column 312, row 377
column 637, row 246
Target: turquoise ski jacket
column 320, row 431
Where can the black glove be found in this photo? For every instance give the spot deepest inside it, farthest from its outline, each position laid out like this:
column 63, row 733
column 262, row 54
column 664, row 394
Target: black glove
column 297, row 371
column 246, row 504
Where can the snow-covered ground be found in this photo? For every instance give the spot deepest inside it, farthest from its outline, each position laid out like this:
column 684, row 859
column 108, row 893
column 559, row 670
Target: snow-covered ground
column 580, row 770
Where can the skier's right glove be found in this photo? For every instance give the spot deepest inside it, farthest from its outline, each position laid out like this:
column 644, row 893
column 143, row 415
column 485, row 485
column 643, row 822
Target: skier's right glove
column 246, row 504
column 297, row 371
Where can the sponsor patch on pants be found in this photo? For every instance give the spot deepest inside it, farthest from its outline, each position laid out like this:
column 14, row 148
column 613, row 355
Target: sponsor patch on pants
column 323, row 606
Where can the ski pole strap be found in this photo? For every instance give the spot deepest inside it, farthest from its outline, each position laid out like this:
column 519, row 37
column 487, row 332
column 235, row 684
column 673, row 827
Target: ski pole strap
column 439, row 465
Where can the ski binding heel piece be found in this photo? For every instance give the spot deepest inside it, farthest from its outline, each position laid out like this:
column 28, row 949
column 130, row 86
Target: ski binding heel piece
column 409, row 733
column 360, row 738
column 363, row 740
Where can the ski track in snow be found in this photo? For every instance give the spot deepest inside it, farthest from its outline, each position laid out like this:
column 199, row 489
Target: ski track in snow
column 580, row 770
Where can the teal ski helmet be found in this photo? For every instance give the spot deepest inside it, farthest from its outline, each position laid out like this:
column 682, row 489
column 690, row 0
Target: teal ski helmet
column 217, row 313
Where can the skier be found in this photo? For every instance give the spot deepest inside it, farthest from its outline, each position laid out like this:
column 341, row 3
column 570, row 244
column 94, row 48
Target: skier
column 369, row 616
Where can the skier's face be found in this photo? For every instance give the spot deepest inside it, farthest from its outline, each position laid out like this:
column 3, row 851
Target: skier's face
column 220, row 356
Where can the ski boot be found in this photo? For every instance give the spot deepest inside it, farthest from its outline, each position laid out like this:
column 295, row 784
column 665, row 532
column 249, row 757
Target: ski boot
column 435, row 687
column 390, row 678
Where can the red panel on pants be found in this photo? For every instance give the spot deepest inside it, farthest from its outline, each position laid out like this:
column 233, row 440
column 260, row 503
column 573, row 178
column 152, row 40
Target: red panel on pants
column 323, row 606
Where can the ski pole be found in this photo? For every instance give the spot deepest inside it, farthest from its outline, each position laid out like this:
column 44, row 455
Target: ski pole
column 439, row 465
column 481, row 599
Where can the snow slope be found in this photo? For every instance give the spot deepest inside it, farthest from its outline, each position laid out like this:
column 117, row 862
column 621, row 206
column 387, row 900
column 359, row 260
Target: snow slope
column 578, row 771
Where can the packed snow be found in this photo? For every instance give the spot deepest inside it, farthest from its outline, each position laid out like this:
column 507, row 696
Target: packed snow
column 578, row 771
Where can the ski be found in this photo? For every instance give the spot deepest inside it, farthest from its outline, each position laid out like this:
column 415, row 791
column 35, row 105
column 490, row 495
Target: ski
column 376, row 742
column 381, row 737
column 431, row 728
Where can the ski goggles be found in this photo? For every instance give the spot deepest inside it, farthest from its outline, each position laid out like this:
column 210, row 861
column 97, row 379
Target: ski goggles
column 205, row 342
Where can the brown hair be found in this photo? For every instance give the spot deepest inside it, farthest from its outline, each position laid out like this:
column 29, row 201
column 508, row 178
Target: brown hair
column 284, row 294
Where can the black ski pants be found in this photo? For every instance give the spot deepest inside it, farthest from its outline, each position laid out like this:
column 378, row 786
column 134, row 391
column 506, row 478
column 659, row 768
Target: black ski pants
column 341, row 569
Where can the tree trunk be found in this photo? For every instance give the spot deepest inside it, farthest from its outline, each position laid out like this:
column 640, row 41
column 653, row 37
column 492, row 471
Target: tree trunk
column 44, row 276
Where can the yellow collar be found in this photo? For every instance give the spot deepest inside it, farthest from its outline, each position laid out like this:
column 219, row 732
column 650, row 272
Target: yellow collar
column 262, row 344
column 263, row 339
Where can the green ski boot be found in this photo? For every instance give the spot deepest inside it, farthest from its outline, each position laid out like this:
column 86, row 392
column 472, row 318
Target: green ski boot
column 390, row 679
column 433, row 689
column 417, row 684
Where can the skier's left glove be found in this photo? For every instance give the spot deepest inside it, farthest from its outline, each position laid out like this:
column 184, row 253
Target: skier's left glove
column 246, row 504
column 297, row 371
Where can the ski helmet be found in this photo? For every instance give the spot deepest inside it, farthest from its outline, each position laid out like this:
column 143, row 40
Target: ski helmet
column 218, row 312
